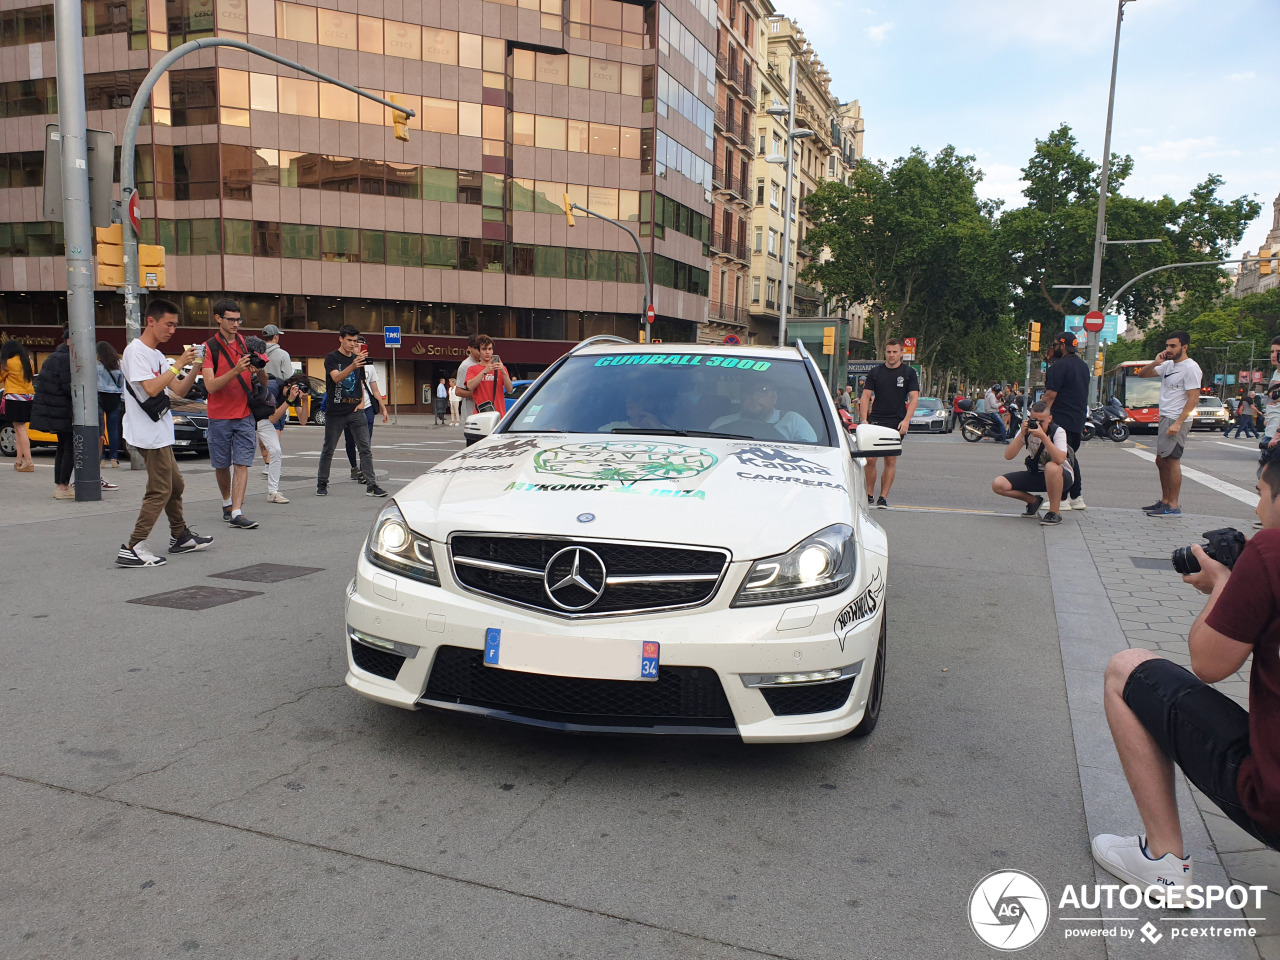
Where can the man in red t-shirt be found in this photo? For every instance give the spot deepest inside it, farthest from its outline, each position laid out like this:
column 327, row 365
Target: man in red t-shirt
column 1161, row 714
column 489, row 381
column 233, row 432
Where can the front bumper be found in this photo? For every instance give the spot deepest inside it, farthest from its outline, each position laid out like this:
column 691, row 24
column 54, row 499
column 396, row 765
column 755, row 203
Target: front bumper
column 429, row 623
column 927, row 426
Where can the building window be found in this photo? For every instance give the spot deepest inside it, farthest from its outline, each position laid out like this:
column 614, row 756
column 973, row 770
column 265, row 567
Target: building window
column 775, row 195
column 759, row 193
column 773, row 243
column 759, row 239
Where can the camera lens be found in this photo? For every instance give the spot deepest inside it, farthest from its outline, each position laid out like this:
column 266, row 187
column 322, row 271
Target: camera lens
column 1185, row 562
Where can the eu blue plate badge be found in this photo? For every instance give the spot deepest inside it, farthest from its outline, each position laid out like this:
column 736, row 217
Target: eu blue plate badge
column 492, row 640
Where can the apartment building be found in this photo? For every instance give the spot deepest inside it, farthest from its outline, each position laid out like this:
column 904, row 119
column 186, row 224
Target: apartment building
column 736, row 67
column 293, row 195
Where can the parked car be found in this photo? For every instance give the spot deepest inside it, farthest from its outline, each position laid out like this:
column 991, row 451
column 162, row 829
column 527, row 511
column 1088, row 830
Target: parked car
column 930, row 417
column 598, row 563
column 1211, row 414
column 9, row 438
column 315, row 414
column 190, row 425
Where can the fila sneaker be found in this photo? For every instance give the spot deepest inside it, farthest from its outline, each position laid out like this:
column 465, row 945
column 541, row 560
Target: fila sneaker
column 1127, row 858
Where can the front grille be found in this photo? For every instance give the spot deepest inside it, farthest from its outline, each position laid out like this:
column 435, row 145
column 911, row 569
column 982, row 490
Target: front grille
column 532, row 554
column 808, row 697
column 681, row 696
column 380, row 663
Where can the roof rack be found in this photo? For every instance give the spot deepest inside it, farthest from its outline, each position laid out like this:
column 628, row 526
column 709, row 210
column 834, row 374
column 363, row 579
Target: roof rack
column 602, row 338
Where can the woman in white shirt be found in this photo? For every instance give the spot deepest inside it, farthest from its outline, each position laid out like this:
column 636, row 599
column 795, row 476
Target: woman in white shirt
column 455, row 402
column 1049, row 468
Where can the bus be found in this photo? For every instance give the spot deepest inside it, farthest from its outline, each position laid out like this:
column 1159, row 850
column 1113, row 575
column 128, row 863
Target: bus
column 1140, row 395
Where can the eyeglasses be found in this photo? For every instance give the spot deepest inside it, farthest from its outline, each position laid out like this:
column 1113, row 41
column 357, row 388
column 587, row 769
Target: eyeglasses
column 231, row 319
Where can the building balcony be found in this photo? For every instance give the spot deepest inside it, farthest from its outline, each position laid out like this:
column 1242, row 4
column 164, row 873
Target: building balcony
column 727, row 313
column 722, row 118
column 729, row 247
column 717, row 176
column 747, row 84
column 803, row 291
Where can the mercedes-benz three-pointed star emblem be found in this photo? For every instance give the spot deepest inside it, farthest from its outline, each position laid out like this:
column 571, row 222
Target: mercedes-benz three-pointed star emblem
column 574, row 574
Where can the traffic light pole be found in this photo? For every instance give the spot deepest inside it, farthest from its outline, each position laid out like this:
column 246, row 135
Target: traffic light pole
column 132, row 308
column 78, row 240
column 644, row 263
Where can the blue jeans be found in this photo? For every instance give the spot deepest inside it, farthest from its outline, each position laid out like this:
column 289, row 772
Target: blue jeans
column 999, row 422
column 1245, row 424
column 115, row 419
column 351, row 443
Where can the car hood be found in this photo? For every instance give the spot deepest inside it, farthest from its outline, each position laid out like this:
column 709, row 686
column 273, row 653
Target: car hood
column 752, row 498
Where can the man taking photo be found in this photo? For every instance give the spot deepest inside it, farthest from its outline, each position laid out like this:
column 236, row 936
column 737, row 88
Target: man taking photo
column 1179, row 393
column 888, row 399
column 1066, row 396
column 233, row 432
column 1162, row 714
column 345, row 386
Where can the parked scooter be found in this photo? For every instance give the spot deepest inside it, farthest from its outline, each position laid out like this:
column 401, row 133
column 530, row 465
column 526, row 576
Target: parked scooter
column 1109, row 420
column 975, row 426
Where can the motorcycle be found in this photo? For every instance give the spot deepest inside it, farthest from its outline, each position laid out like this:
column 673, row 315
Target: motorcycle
column 1108, row 420
column 975, row 426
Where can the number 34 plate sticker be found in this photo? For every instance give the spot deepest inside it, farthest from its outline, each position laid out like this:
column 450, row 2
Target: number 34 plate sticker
column 649, row 660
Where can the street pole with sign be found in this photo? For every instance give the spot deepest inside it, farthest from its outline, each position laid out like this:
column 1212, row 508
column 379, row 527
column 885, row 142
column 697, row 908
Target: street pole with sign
column 391, row 340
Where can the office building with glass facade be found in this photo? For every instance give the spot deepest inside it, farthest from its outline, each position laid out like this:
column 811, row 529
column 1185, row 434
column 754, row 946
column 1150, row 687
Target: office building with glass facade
column 293, row 195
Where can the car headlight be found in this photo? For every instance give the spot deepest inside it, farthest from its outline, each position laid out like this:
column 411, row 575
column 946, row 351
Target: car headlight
column 818, row 566
column 392, row 546
column 180, row 421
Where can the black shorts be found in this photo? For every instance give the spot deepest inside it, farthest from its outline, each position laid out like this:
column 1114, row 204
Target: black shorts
column 1204, row 732
column 1032, row 481
column 883, row 421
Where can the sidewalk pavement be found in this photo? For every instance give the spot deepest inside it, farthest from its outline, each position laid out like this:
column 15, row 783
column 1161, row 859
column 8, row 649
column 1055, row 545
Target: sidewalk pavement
column 1114, row 587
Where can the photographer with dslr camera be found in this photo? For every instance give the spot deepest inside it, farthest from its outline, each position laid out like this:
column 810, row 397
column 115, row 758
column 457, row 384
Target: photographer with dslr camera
column 282, row 395
column 233, row 430
column 1049, row 466
column 1161, row 713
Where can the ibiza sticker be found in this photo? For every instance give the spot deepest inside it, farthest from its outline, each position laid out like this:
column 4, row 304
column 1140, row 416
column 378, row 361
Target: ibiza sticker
column 623, row 461
column 862, row 608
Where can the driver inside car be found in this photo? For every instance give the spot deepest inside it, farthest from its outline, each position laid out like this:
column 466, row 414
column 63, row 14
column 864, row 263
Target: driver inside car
column 760, row 406
column 640, row 415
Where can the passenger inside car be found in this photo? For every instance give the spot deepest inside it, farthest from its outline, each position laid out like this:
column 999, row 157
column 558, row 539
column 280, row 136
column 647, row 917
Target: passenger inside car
column 758, row 412
column 643, row 412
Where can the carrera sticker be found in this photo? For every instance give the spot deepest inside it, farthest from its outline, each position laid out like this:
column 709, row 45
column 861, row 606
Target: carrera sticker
column 862, row 608
column 471, row 468
column 625, row 462
column 802, row 481
column 775, row 458
column 683, row 360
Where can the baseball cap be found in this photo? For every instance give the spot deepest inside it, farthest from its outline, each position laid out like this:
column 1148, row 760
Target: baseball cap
column 271, row 330
column 1067, row 337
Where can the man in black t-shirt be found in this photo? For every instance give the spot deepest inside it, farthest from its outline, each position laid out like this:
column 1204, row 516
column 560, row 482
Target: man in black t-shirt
column 1066, row 394
column 344, row 391
column 888, row 399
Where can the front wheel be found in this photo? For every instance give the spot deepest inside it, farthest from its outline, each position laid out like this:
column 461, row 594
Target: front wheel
column 972, row 432
column 8, row 440
column 1087, row 432
column 875, row 696
column 318, row 418
column 1119, row 432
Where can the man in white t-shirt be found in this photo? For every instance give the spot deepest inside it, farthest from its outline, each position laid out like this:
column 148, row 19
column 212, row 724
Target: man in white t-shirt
column 468, row 405
column 1179, row 393
column 147, row 375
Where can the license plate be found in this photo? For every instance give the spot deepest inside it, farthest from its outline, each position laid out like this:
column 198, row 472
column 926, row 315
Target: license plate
column 584, row 657
column 205, row 434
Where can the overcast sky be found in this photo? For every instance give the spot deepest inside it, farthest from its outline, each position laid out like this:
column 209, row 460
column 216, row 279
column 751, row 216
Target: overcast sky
column 1195, row 92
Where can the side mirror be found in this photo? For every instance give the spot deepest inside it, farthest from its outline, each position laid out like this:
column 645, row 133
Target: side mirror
column 481, row 424
column 873, row 441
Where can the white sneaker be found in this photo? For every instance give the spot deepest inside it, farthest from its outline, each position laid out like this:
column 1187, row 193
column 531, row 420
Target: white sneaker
column 277, row 498
column 1077, row 503
column 1064, row 505
column 139, row 556
column 1126, row 858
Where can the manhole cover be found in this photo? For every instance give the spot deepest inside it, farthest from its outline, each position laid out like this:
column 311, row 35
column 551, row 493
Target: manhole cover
column 266, row 573
column 1151, row 563
column 196, row 598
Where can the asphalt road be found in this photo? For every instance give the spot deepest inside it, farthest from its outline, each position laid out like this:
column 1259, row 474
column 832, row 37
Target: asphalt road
column 203, row 784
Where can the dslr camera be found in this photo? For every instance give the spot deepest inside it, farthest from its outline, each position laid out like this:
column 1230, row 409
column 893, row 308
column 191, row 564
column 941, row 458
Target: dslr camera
column 1224, row 545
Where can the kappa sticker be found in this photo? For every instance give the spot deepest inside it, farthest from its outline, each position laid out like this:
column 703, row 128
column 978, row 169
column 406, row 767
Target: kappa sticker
column 860, row 609
column 775, row 458
column 498, row 451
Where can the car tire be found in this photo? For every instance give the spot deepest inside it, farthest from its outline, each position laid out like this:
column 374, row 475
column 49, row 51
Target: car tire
column 318, row 418
column 875, row 696
column 8, row 440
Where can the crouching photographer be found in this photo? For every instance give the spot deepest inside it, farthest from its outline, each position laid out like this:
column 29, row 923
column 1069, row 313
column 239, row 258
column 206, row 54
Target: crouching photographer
column 1160, row 713
column 1049, row 466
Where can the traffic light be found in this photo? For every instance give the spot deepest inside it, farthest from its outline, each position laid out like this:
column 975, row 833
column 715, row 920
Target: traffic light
column 399, row 119
column 568, row 209
column 1033, row 339
column 1264, row 260
column 151, row 265
column 110, row 254
column 1097, row 366
column 828, row 340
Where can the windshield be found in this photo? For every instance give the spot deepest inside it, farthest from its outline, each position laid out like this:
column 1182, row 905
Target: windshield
column 1140, row 392
column 928, row 405
column 1208, row 402
column 677, row 394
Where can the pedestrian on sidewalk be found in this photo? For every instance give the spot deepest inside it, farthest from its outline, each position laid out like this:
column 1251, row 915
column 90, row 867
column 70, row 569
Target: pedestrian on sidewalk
column 1244, row 418
column 148, row 427
column 110, row 400
column 454, row 402
column 1050, row 465
column 51, row 413
column 283, row 393
column 16, row 376
column 468, row 405
column 1271, row 425
column 233, row 431
column 441, row 402
column 1066, row 397
column 371, row 401
column 889, row 397
column 1179, row 393
column 1161, row 714
column 344, row 370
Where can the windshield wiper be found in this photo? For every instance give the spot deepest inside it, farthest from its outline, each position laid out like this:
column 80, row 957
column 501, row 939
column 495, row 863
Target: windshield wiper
column 672, row 431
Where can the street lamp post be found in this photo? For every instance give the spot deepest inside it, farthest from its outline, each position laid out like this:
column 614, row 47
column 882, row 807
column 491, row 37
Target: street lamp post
column 793, row 133
column 1100, row 234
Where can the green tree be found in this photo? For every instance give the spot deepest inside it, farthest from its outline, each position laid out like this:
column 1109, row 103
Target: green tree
column 914, row 245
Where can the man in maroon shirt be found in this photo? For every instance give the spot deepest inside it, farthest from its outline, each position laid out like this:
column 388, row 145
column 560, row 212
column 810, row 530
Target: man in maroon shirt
column 1161, row 714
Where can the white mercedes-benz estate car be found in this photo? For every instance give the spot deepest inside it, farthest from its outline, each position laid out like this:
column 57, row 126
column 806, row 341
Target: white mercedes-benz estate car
column 654, row 539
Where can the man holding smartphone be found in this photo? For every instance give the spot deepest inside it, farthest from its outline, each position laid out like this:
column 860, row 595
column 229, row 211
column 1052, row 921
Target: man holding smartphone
column 344, row 370
column 489, row 381
column 1179, row 393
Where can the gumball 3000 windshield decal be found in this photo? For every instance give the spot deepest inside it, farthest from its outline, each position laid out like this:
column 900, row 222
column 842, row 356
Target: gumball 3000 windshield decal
column 625, row 461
